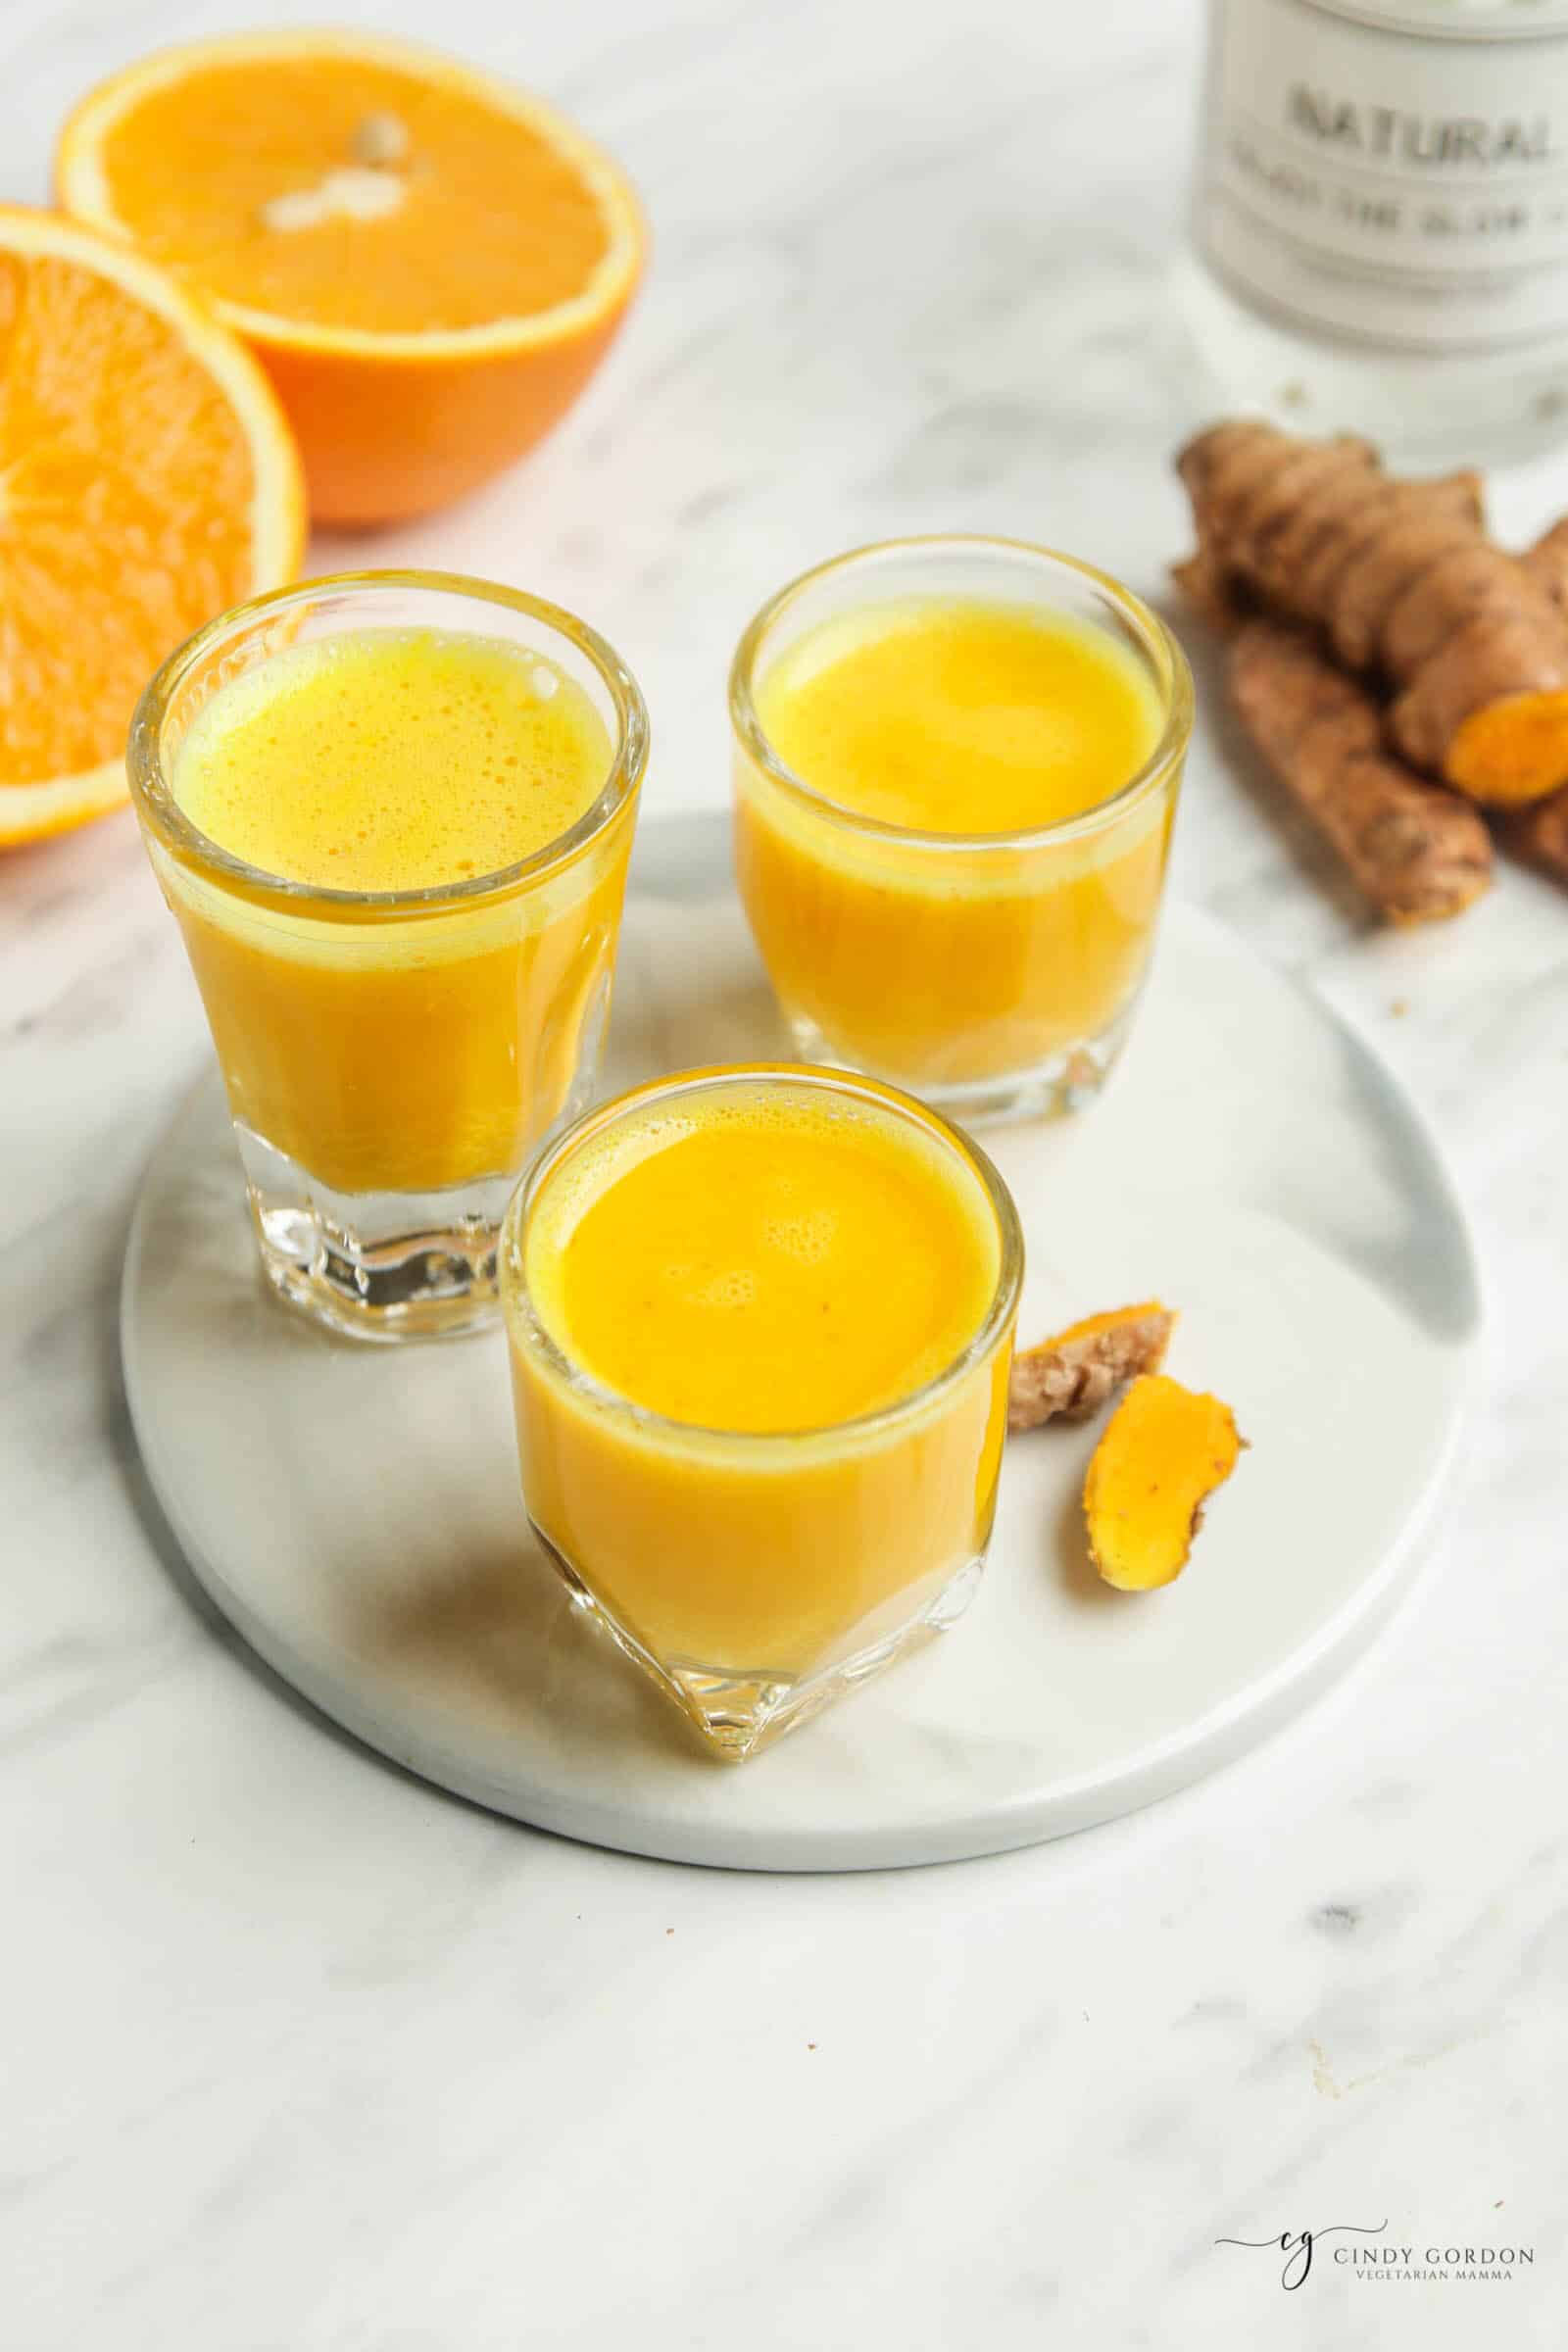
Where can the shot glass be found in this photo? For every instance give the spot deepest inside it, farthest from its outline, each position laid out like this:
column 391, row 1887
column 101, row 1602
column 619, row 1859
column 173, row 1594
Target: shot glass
column 994, row 974
column 757, row 1575
column 393, row 1056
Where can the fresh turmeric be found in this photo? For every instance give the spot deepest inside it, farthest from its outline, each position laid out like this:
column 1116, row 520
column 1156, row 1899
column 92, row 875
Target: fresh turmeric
column 1549, row 560
column 1071, row 1376
column 1416, row 850
column 1401, row 579
column 1164, row 1451
column 1540, row 836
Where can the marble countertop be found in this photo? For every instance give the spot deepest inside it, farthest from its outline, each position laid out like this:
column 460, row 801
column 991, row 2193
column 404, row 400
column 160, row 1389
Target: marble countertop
column 296, row 2050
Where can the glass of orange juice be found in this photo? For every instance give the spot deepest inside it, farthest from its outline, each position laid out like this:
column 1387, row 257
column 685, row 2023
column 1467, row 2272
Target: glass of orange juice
column 391, row 813
column 956, row 764
column 761, row 1323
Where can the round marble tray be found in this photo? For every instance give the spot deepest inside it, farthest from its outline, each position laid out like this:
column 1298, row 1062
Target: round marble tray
column 355, row 1511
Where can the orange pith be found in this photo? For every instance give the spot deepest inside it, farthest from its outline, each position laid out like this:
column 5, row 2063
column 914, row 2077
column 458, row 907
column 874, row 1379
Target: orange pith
column 493, row 223
column 146, row 482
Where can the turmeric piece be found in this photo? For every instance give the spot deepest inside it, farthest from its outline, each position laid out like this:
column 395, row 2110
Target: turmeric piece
column 1164, row 1451
column 1401, row 579
column 1069, row 1377
column 1539, row 835
column 1211, row 594
column 1416, row 850
column 1549, row 560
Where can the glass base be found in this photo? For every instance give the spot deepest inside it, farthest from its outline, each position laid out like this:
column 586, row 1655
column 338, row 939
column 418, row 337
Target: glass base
column 379, row 1267
column 737, row 1713
column 1068, row 1081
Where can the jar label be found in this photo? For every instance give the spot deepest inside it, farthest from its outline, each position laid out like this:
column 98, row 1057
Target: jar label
column 1398, row 184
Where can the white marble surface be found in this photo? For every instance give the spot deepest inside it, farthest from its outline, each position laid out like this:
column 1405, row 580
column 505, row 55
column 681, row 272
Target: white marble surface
column 297, row 2051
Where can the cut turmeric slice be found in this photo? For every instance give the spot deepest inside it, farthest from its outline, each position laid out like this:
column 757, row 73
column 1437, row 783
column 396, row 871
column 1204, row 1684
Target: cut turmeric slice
column 1164, row 1451
column 1069, row 1377
column 1509, row 753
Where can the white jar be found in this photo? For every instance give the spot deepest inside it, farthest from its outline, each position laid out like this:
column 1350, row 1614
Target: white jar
column 1381, row 216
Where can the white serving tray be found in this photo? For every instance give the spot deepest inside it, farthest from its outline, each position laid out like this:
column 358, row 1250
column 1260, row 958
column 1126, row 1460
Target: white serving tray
column 356, row 1513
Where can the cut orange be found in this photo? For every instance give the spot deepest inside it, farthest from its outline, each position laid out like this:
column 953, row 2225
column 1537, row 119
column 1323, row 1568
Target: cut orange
column 147, row 481
column 429, row 264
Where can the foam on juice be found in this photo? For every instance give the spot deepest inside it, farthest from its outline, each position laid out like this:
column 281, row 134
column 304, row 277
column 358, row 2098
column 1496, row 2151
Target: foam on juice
column 390, row 759
column 762, row 1258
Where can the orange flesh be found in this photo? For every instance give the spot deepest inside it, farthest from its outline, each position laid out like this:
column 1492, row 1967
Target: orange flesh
column 496, row 223
column 1514, row 752
column 126, row 491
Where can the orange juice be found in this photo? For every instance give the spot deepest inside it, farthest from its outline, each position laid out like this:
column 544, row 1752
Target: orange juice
column 952, row 828
column 397, row 1047
column 959, row 716
column 760, row 1326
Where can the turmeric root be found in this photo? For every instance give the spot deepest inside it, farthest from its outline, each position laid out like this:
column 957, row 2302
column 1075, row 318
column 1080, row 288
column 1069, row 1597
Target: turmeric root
column 1549, row 560
column 1071, row 1376
column 1539, row 835
column 1416, row 850
column 1211, row 594
column 1402, row 577
column 1164, row 1451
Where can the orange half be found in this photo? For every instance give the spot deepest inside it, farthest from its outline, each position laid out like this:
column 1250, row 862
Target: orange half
column 147, row 481
column 429, row 263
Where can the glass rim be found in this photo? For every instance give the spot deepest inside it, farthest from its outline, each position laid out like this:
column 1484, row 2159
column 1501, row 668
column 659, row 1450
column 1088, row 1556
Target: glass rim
column 155, row 800
column 526, row 1325
column 1174, row 679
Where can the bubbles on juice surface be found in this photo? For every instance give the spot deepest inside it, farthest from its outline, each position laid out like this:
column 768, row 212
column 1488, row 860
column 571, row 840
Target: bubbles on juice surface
column 393, row 760
column 807, row 1237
